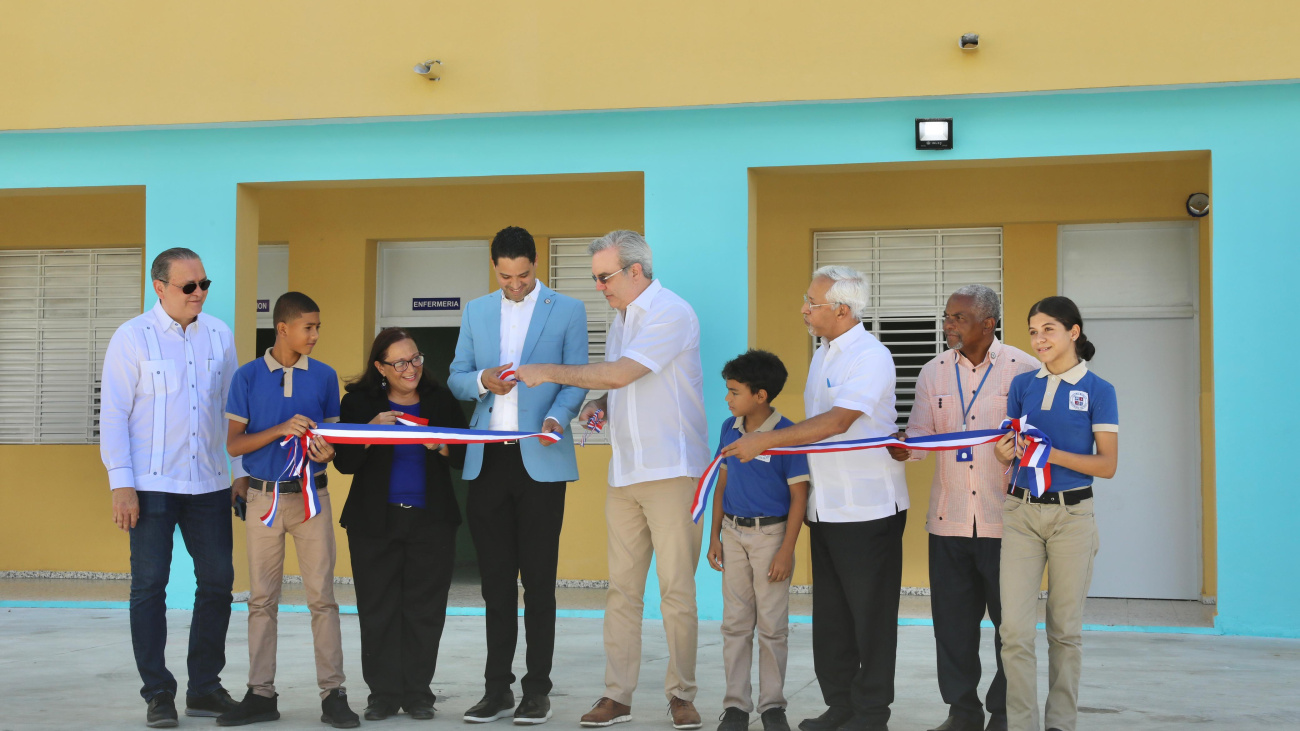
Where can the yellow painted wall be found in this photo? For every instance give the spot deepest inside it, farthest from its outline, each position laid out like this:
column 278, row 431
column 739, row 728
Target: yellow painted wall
column 1027, row 198
column 332, row 235
column 83, row 538
column 138, row 62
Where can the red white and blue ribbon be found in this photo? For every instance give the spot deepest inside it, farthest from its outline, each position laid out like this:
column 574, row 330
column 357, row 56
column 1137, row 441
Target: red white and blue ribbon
column 298, row 466
column 594, row 425
column 1037, row 449
column 932, row 443
column 414, row 433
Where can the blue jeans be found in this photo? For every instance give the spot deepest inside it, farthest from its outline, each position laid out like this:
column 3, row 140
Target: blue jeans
column 204, row 521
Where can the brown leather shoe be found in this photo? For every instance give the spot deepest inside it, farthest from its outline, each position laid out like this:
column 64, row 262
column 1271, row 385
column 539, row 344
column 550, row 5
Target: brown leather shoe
column 607, row 712
column 684, row 714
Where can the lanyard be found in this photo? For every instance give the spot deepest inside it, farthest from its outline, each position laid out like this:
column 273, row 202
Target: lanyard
column 965, row 411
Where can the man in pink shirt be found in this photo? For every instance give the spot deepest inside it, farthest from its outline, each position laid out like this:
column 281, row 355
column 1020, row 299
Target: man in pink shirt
column 963, row 388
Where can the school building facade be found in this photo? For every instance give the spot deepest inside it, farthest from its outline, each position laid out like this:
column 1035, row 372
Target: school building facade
column 750, row 145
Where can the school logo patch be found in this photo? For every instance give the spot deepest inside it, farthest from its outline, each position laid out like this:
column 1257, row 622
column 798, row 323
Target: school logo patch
column 1078, row 401
column 764, row 458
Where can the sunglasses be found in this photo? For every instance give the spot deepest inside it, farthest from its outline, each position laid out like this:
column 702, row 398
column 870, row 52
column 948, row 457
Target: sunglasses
column 189, row 287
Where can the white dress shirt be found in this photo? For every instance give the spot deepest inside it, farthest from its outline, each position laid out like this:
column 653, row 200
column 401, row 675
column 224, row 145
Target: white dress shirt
column 656, row 423
column 515, row 319
column 193, row 458
column 854, row 371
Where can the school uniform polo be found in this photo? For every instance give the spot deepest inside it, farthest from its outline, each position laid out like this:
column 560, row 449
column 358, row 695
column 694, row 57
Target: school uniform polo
column 1069, row 409
column 761, row 487
column 264, row 394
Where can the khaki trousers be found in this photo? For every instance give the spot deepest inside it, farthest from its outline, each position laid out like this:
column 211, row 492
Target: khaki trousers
column 314, row 542
column 749, row 600
column 644, row 520
column 1064, row 538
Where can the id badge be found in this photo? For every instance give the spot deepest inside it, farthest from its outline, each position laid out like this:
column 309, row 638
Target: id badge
column 965, row 454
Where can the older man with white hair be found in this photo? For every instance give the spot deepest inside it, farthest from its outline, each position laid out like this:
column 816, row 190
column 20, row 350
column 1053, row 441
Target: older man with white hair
column 661, row 446
column 857, row 508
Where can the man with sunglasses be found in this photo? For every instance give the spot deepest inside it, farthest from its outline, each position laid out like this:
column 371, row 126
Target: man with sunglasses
column 163, row 441
column 661, row 446
column 515, row 507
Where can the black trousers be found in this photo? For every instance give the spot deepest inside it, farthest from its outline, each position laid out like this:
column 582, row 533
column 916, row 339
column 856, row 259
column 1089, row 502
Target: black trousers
column 857, row 574
column 402, row 580
column 515, row 522
column 963, row 583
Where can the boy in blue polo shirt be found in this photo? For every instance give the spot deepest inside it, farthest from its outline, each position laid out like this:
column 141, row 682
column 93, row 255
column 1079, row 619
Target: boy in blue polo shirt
column 758, row 508
column 283, row 394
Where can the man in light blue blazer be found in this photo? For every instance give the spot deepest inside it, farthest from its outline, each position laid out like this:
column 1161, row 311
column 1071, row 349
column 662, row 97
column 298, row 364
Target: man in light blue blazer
column 516, row 495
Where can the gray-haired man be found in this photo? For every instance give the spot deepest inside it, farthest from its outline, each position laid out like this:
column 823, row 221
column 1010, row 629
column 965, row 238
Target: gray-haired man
column 857, row 508
column 657, row 427
column 965, row 387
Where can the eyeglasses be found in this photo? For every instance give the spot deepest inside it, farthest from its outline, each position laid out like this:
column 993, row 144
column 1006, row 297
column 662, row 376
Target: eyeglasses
column 604, row 278
column 400, row 365
column 189, row 287
column 809, row 303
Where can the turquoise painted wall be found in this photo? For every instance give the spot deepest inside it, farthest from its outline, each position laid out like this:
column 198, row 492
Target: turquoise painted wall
column 695, row 164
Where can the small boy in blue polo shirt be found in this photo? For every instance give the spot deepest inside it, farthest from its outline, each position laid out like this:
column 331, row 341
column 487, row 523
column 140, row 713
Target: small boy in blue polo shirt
column 758, row 508
column 283, row 394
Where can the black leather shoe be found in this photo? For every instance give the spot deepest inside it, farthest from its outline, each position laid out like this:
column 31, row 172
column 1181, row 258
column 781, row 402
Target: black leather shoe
column 997, row 722
column 831, row 720
column 253, row 709
column 335, row 711
column 774, row 720
column 858, row 723
column 211, row 705
column 533, row 709
column 379, row 710
column 491, row 707
column 956, row 722
column 162, row 712
column 422, row 711
column 733, row 719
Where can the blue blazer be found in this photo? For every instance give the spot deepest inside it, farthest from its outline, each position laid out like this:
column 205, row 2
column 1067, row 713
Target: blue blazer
column 556, row 334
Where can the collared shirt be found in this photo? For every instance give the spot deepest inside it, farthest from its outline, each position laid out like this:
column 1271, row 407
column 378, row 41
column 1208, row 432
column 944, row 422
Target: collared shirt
column 515, row 319
column 193, row 447
column 1069, row 415
column 854, row 371
column 264, row 394
column 760, row 488
column 656, row 423
column 966, row 497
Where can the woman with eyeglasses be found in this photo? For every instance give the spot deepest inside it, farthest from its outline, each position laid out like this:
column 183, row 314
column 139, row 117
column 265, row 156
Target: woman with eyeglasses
column 401, row 516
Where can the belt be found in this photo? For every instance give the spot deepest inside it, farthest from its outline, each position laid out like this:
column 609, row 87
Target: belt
column 1069, row 497
column 294, row 485
column 753, row 522
column 511, row 443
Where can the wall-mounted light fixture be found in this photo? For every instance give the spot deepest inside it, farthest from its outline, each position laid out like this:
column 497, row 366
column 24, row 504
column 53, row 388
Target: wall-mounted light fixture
column 969, row 41
column 1198, row 205
column 934, row 134
column 428, row 69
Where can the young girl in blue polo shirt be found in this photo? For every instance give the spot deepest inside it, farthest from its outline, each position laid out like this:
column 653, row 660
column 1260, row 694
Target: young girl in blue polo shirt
column 1077, row 410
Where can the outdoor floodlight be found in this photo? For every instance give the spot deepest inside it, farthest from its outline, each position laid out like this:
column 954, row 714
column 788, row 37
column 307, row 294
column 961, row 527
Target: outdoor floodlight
column 934, row 134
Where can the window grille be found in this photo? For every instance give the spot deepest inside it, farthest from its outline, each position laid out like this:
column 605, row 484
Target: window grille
column 571, row 275
column 912, row 274
column 58, row 310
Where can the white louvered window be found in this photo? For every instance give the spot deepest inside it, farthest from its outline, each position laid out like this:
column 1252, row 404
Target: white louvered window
column 912, row 274
column 571, row 275
column 58, row 310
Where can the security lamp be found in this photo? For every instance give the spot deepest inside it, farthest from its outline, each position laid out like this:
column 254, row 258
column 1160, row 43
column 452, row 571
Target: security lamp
column 934, row 134
column 969, row 41
column 1198, row 205
column 425, row 68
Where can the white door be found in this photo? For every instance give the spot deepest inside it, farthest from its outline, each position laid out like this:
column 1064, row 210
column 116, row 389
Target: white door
column 1136, row 286
column 428, row 283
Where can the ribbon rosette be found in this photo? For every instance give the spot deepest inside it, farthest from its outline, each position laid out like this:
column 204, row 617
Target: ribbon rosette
column 595, row 424
column 1037, row 448
column 931, row 443
column 298, row 466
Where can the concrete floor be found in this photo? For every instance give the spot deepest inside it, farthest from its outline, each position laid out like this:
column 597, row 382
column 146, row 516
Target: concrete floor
column 73, row 669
